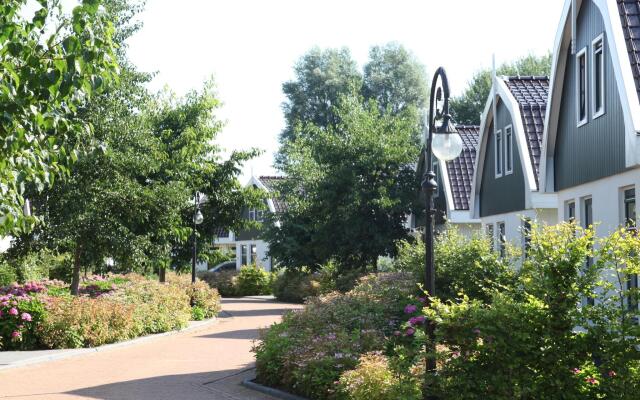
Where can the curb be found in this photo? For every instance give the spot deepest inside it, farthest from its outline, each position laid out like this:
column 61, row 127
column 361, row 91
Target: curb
column 195, row 327
column 278, row 394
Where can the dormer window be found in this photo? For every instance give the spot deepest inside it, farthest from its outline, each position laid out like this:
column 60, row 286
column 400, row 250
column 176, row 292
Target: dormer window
column 581, row 87
column 597, row 76
column 499, row 154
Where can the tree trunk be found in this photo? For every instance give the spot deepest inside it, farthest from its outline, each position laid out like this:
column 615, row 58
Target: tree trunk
column 75, row 280
column 162, row 274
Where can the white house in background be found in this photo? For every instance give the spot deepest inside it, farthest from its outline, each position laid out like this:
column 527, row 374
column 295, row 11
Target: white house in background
column 505, row 195
column 5, row 243
column 591, row 151
column 247, row 245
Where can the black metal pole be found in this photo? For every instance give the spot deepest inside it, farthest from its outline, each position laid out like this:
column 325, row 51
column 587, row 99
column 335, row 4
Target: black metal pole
column 429, row 186
column 195, row 226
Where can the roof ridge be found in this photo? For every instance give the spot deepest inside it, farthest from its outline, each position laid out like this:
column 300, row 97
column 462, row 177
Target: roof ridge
column 527, row 78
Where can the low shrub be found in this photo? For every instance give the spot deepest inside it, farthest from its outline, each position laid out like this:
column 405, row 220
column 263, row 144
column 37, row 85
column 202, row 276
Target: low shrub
column 204, row 300
column 7, row 274
column 253, row 280
column 159, row 307
column 296, row 286
column 373, row 378
column 72, row 322
column 225, row 282
column 307, row 352
column 20, row 314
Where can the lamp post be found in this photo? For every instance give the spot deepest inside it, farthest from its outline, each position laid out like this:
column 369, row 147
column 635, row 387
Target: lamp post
column 197, row 220
column 443, row 141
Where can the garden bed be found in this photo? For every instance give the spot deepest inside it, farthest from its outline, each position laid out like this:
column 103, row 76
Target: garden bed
column 44, row 315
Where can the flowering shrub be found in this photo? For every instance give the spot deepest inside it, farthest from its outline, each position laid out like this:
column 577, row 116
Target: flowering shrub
column 204, row 301
column 307, row 352
column 72, row 322
column 20, row 312
column 253, row 280
column 225, row 282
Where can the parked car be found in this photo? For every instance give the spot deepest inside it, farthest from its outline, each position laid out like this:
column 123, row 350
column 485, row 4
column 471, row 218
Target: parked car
column 229, row 265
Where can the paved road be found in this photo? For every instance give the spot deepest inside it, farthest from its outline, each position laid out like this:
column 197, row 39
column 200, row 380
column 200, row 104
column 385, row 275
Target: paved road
column 205, row 364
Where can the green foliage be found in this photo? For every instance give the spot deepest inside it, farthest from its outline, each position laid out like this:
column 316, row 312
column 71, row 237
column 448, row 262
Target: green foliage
column 351, row 186
column 306, row 353
column 467, row 108
column 19, row 318
column 464, row 266
column 49, row 66
column 253, row 280
column 204, row 300
column 373, row 378
column 7, row 274
column 225, row 282
column 38, row 265
column 295, row 286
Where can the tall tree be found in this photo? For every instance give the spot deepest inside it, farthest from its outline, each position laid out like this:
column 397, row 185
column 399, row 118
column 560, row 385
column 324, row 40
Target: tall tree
column 49, row 65
column 394, row 78
column 466, row 109
column 350, row 186
column 321, row 78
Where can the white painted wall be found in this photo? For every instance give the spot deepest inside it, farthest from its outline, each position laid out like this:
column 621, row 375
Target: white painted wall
column 5, row 243
column 606, row 194
column 513, row 222
column 262, row 248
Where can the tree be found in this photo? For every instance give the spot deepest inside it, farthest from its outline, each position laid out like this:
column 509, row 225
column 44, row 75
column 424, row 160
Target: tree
column 394, row 78
column 322, row 77
column 49, row 65
column 468, row 107
column 350, row 186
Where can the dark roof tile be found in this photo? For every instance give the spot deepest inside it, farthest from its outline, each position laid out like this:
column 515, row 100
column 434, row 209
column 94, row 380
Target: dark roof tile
column 271, row 183
column 460, row 170
column 630, row 19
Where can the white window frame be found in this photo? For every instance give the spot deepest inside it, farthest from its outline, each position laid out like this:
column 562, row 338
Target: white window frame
column 501, row 237
column 499, row 153
column 623, row 206
column 508, row 132
column 582, row 53
column 436, row 170
column 597, row 113
column 567, row 207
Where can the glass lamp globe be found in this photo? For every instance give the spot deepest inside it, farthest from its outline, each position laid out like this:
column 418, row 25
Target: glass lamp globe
column 198, row 218
column 447, row 143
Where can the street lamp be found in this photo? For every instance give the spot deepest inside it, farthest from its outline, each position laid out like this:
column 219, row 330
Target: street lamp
column 444, row 142
column 197, row 220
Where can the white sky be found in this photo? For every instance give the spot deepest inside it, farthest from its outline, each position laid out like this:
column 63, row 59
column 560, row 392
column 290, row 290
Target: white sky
column 250, row 47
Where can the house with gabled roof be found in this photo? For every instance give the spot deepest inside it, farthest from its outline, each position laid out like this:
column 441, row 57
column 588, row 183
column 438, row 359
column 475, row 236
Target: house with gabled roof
column 505, row 194
column 247, row 244
column 591, row 148
column 454, row 179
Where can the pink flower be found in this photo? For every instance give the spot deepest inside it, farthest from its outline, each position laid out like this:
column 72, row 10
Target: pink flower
column 591, row 380
column 612, row 374
column 410, row 331
column 476, row 331
column 26, row 317
column 576, row 371
column 13, row 311
column 397, row 333
column 16, row 334
column 410, row 309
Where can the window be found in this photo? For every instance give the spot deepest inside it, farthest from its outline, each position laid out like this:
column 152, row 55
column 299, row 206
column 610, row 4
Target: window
column 570, row 213
column 629, row 205
column 597, row 77
column 587, row 214
column 253, row 259
column 489, row 233
column 581, row 87
column 526, row 235
column 502, row 239
column 499, row 154
column 252, row 215
column 244, row 254
column 508, row 149
column 259, row 215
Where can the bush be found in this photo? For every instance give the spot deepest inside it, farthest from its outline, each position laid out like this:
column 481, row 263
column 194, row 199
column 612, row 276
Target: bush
column 295, row 286
column 7, row 274
column 464, row 265
column 373, row 378
column 20, row 314
column 204, row 301
column 223, row 281
column 253, row 280
column 307, row 352
column 42, row 264
column 72, row 322
column 159, row 307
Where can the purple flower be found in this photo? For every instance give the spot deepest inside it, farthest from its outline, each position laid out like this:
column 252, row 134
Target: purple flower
column 419, row 320
column 410, row 331
column 13, row 311
column 26, row 317
column 397, row 333
column 476, row 331
column 410, row 309
column 16, row 334
column 422, row 300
